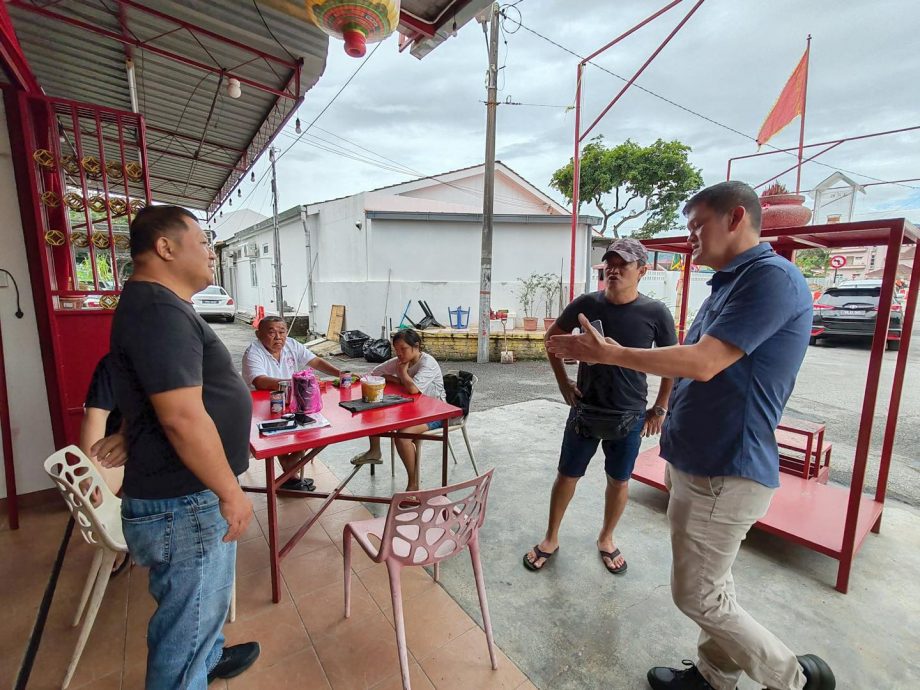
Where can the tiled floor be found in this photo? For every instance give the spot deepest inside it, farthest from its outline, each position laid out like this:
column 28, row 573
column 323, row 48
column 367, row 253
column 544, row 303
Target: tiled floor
column 306, row 642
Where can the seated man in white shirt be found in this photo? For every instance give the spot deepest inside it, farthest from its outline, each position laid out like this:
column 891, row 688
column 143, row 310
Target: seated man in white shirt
column 274, row 357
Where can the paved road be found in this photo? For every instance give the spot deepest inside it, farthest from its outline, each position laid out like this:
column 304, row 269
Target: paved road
column 829, row 388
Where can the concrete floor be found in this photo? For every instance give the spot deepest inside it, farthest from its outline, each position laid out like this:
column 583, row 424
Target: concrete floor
column 574, row 625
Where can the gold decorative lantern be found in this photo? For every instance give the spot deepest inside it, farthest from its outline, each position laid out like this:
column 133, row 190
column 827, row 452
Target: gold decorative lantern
column 51, row 199
column 55, row 238
column 74, row 201
column 44, row 158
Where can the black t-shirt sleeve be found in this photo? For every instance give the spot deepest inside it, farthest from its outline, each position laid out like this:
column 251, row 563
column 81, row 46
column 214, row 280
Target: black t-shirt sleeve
column 101, row 393
column 665, row 330
column 166, row 349
column 568, row 319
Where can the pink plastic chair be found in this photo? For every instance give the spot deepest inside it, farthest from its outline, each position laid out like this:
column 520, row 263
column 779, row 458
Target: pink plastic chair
column 424, row 528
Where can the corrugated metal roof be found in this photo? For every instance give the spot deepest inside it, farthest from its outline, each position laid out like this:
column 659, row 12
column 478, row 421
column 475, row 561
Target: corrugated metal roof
column 201, row 164
column 72, row 62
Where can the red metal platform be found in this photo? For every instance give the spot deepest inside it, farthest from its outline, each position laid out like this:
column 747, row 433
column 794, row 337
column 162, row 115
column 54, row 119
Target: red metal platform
column 804, row 511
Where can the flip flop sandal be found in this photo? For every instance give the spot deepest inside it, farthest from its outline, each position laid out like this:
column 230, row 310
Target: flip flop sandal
column 298, row 485
column 360, row 459
column 539, row 554
column 612, row 556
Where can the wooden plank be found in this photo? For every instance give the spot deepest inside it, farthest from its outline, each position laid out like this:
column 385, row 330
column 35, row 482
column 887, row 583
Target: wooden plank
column 336, row 322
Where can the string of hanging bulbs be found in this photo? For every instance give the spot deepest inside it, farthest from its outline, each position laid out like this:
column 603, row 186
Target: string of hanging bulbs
column 252, row 174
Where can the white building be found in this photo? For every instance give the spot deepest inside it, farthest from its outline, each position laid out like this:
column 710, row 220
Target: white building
column 376, row 251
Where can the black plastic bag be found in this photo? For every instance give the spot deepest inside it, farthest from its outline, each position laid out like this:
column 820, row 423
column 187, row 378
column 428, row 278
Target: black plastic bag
column 458, row 389
column 377, row 351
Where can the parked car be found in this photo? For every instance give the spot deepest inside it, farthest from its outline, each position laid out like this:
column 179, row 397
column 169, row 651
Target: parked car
column 214, row 301
column 850, row 310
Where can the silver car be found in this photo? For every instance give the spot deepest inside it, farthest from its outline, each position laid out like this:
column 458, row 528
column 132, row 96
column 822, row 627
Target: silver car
column 214, row 301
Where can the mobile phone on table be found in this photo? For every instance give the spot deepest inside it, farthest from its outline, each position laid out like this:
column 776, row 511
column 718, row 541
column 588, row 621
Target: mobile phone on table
column 277, row 425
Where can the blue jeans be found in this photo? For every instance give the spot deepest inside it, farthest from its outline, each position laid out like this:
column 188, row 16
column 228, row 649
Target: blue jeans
column 191, row 578
column 619, row 456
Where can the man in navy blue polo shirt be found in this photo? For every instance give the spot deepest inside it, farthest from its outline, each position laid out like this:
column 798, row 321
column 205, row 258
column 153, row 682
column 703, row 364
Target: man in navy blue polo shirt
column 733, row 376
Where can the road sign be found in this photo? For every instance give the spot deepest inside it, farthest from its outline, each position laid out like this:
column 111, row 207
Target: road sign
column 838, row 261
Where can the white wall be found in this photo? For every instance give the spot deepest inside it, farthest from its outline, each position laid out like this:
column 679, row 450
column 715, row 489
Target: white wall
column 434, row 261
column 29, row 417
column 293, row 270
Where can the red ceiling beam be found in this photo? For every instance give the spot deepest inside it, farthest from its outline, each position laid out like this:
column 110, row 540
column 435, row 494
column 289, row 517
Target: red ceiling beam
column 198, row 159
column 210, row 34
column 19, row 4
column 14, row 60
column 419, row 26
column 186, row 137
column 429, row 29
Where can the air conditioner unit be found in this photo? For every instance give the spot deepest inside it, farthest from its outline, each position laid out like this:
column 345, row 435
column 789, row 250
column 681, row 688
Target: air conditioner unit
column 251, row 250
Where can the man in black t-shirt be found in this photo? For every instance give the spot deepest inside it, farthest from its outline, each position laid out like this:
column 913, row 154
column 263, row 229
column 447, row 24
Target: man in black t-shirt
column 608, row 403
column 187, row 414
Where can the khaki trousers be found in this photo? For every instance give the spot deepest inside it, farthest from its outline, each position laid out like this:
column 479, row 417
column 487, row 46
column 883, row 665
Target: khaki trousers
column 710, row 517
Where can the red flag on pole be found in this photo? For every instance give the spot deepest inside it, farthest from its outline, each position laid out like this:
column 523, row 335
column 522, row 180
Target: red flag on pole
column 791, row 103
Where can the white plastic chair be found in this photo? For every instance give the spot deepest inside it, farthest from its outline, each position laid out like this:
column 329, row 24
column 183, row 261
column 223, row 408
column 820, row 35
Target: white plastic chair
column 436, row 436
column 78, row 481
column 80, row 484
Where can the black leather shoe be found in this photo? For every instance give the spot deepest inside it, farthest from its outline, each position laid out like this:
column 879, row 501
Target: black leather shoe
column 234, row 660
column 817, row 673
column 689, row 678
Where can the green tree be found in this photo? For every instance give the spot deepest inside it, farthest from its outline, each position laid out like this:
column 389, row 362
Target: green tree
column 629, row 181
column 812, row 262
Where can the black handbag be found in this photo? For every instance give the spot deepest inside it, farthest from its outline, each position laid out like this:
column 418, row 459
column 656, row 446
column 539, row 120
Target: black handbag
column 604, row 424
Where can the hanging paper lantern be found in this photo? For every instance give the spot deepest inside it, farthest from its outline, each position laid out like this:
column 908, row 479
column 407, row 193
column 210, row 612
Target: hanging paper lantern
column 357, row 22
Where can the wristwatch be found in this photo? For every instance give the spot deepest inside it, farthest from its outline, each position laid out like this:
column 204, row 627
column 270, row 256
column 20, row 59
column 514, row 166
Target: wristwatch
column 659, row 411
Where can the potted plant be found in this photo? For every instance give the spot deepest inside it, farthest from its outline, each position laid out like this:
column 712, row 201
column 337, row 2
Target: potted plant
column 527, row 294
column 781, row 209
column 551, row 287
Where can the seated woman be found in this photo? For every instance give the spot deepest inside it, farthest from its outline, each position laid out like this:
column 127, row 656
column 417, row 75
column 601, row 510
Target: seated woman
column 417, row 372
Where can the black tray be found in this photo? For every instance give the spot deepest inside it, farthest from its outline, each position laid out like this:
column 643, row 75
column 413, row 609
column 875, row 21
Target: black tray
column 355, row 406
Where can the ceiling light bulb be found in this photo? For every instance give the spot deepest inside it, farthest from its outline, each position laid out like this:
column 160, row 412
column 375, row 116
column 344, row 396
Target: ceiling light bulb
column 222, row 213
column 252, row 176
column 233, row 88
column 297, row 125
column 230, row 199
column 239, row 193
column 453, row 31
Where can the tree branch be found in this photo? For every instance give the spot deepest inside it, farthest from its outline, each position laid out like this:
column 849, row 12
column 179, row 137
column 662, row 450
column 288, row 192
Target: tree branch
column 630, row 216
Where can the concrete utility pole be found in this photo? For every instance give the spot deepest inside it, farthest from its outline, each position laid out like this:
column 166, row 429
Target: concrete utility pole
column 279, row 294
column 488, row 193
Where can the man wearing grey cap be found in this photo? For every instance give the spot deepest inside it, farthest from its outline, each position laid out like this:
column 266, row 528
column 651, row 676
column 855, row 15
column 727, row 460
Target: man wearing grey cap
column 608, row 403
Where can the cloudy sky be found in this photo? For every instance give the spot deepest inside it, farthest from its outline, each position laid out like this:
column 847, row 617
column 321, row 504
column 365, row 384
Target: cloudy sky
column 729, row 64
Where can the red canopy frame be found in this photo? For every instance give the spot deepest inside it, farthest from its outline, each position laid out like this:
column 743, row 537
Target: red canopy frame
column 846, row 515
column 580, row 136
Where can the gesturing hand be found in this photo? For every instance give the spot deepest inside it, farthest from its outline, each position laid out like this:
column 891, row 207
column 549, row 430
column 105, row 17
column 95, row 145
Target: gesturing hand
column 589, row 346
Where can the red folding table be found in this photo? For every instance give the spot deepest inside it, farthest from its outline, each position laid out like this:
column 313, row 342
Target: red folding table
column 343, row 426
